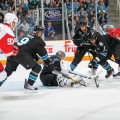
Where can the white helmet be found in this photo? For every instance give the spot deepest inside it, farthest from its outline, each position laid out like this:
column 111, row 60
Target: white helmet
column 10, row 17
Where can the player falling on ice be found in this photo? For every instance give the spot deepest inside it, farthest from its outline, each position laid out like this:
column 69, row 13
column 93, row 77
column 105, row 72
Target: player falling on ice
column 7, row 40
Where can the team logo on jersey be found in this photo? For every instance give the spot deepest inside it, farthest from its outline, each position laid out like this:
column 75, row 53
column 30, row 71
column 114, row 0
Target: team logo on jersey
column 100, row 43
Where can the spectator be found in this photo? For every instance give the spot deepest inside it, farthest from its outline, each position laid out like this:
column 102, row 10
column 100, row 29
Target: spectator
column 49, row 31
column 29, row 20
column 58, row 3
column 24, row 26
column 76, row 4
column 68, row 4
column 1, row 17
column 32, row 4
column 21, row 34
column 83, row 16
column 91, row 6
column 108, row 25
column 13, row 5
column 91, row 18
column 24, row 6
column 81, row 7
column 101, row 5
column 19, row 19
column 30, row 17
column 5, row 5
column 39, row 3
column 102, row 17
column 9, row 10
column 52, row 4
column 20, row 12
column 23, row 1
column 85, row 4
column 106, row 2
column 77, row 20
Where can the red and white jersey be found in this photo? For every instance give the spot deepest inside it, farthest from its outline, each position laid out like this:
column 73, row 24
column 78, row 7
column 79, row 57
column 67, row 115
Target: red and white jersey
column 6, row 39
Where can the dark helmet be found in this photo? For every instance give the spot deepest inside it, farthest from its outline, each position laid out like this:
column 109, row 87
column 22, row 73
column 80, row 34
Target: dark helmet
column 38, row 28
column 60, row 54
column 93, row 34
column 83, row 23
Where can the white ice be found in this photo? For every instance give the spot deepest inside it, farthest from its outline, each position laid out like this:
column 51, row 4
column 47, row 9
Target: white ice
column 55, row 103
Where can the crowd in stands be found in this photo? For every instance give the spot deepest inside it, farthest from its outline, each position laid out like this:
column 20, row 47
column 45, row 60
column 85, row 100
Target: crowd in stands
column 24, row 13
column 83, row 10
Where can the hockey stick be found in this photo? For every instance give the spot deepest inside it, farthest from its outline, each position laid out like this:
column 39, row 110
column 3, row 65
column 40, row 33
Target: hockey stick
column 95, row 79
column 66, row 76
column 85, row 76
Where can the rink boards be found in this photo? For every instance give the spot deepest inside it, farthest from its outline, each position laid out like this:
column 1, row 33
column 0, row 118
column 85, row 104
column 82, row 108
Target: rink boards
column 53, row 46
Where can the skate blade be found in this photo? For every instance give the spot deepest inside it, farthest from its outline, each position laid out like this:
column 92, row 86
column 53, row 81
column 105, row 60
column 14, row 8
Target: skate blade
column 30, row 91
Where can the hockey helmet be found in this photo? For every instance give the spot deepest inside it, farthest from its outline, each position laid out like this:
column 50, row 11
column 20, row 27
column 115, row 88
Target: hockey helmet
column 10, row 17
column 60, row 54
column 38, row 28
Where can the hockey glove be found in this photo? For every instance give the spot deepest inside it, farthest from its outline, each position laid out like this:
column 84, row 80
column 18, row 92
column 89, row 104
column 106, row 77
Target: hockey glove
column 15, row 50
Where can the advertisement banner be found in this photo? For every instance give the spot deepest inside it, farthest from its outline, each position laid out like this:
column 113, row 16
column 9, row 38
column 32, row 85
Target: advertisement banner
column 53, row 14
column 65, row 45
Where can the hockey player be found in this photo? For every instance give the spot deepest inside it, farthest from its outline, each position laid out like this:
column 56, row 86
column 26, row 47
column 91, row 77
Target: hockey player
column 57, row 78
column 7, row 40
column 29, row 47
column 80, row 39
column 114, row 38
column 102, row 49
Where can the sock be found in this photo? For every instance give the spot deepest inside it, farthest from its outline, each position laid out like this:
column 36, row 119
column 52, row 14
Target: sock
column 107, row 67
column 32, row 78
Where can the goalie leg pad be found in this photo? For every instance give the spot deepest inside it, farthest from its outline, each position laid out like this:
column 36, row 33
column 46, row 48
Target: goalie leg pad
column 63, row 82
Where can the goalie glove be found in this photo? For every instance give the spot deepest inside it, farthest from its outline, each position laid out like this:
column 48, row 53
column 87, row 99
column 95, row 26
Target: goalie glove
column 63, row 82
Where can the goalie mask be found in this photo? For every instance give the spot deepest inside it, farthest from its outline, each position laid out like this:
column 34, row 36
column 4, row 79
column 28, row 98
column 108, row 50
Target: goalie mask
column 60, row 54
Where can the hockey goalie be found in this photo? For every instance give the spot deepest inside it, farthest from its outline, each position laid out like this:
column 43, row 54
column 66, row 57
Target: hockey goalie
column 60, row 76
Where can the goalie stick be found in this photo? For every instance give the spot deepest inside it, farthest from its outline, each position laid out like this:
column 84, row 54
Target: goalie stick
column 68, row 77
column 94, row 77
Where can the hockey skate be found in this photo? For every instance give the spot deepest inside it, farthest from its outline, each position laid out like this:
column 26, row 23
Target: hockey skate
column 116, row 76
column 28, row 86
column 109, row 73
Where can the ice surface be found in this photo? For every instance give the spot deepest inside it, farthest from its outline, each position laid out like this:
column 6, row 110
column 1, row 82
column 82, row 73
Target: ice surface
column 54, row 103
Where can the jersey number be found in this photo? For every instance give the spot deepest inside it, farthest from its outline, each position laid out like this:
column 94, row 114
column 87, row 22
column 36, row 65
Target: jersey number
column 10, row 41
column 23, row 41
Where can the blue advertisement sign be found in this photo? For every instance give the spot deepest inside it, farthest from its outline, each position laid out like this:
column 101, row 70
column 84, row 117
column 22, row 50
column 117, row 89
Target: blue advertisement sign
column 53, row 14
